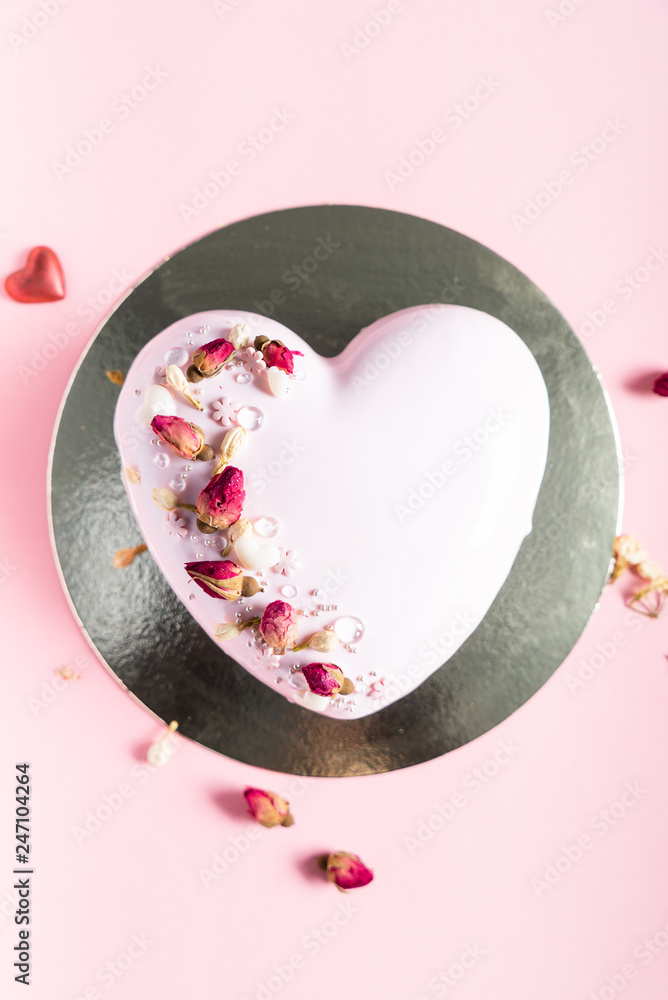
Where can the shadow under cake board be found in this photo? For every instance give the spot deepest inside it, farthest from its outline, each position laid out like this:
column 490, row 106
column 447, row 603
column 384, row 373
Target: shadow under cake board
column 379, row 262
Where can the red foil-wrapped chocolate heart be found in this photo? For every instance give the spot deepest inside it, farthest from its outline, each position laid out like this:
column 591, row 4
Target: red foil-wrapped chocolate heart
column 41, row 280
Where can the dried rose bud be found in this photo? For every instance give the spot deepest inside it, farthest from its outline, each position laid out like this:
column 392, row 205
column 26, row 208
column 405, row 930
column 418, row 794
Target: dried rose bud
column 209, row 359
column 279, row 625
column 322, row 642
column 221, row 501
column 268, row 808
column 277, row 355
column 326, row 679
column 185, row 439
column 347, row 871
column 661, row 385
column 222, row 578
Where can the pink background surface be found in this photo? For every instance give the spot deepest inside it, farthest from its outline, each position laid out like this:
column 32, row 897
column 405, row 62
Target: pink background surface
column 474, row 881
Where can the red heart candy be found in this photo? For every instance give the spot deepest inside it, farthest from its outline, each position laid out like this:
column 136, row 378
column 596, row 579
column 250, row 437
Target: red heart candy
column 41, row 280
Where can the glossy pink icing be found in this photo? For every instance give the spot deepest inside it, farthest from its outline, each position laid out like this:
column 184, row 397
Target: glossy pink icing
column 403, row 474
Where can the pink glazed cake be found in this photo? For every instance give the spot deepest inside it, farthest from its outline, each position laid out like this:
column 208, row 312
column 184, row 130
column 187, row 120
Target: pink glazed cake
column 339, row 526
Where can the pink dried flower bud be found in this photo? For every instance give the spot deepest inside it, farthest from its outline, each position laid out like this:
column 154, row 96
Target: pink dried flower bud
column 209, row 359
column 347, row 871
column 661, row 385
column 221, row 501
column 324, row 679
column 223, row 578
column 184, row 439
column 279, row 625
column 277, row 355
column 268, row 808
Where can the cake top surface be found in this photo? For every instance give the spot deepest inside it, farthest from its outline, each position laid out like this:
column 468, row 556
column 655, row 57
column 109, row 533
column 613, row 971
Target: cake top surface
column 387, row 490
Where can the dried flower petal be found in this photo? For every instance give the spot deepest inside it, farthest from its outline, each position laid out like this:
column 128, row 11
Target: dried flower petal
column 661, row 385
column 232, row 444
column 68, row 674
column 165, row 498
column 209, row 359
column 184, row 439
column 177, row 380
column 116, row 376
column 123, row 557
column 239, row 335
column 238, row 530
column 268, row 808
column 347, row 871
column 227, row 630
column 279, row 625
column 132, row 475
column 221, row 501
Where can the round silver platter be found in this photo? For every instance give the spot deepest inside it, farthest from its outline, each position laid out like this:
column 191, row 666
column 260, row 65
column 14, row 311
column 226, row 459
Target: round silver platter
column 379, row 262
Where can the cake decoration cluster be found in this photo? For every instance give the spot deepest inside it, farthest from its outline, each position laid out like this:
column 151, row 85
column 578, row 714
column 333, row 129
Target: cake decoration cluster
column 629, row 554
column 223, row 574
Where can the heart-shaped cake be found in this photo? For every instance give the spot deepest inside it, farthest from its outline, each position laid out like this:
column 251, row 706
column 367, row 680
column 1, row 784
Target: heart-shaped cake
column 340, row 526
